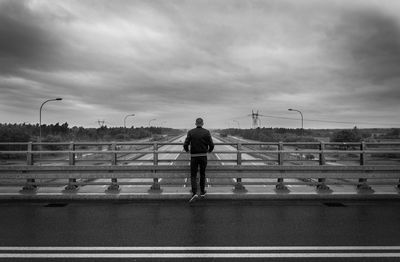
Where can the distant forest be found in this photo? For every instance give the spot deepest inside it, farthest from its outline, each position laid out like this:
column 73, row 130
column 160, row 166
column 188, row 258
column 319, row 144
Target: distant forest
column 62, row 133
column 312, row 135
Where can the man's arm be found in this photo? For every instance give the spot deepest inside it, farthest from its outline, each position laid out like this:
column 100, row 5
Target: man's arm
column 210, row 143
column 187, row 142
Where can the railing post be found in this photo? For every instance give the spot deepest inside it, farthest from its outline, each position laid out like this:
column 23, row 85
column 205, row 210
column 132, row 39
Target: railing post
column 113, row 187
column 72, row 186
column 280, row 186
column 239, row 154
column 114, row 154
column 29, row 155
column 322, row 160
column 156, row 185
column 280, row 154
column 362, row 182
column 30, row 182
column 71, row 154
column 363, row 159
column 239, row 186
column 321, row 186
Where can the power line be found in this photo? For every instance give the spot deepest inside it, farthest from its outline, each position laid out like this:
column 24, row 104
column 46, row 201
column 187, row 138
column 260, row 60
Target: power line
column 280, row 117
column 328, row 121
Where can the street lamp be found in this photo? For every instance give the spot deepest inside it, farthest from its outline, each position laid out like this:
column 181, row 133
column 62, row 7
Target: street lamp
column 126, row 118
column 290, row 109
column 40, row 116
column 151, row 120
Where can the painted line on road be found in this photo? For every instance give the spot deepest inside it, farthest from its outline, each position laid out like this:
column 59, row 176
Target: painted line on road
column 213, row 252
column 199, row 255
column 222, row 163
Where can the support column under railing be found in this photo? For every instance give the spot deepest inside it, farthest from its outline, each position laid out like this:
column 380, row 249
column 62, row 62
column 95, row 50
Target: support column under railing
column 30, row 182
column 114, row 186
column 155, row 187
column 280, row 186
column 72, row 186
column 239, row 186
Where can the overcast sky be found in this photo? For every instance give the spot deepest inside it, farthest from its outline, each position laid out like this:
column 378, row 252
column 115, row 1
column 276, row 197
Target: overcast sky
column 175, row 61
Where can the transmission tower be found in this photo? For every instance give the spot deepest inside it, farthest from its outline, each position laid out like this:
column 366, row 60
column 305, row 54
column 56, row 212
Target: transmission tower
column 255, row 118
column 101, row 122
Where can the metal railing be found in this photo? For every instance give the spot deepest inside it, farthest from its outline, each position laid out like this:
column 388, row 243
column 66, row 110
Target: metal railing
column 279, row 164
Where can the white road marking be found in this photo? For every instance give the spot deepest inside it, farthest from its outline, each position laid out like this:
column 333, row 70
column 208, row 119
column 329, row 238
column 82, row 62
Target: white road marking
column 199, row 255
column 222, row 163
column 219, row 158
column 333, row 164
column 215, row 252
column 198, row 248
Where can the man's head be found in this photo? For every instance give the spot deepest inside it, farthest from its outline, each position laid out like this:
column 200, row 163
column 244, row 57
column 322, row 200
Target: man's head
column 199, row 122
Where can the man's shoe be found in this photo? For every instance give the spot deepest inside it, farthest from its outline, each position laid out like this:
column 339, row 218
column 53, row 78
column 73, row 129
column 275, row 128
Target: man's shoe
column 203, row 194
column 194, row 198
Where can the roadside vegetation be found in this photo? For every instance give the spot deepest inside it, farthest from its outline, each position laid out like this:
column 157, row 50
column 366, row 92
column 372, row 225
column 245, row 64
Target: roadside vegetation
column 313, row 135
column 63, row 133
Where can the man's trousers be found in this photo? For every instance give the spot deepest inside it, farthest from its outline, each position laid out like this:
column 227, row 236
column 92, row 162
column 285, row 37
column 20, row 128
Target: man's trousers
column 196, row 163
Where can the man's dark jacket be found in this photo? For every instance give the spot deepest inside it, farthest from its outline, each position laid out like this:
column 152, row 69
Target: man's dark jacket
column 200, row 141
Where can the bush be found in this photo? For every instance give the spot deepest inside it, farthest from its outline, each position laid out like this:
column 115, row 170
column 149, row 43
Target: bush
column 346, row 136
column 52, row 139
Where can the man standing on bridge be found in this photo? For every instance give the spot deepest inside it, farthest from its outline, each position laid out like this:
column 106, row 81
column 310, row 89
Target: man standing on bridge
column 200, row 142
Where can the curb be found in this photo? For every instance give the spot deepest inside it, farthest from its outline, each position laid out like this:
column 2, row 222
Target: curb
column 186, row 196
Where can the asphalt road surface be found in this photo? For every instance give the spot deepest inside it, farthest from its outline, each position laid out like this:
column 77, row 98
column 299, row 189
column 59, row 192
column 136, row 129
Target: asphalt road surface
column 204, row 231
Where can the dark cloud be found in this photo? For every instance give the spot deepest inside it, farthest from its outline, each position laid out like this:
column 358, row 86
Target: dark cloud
column 23, row 42
column 40, row 39
column 372, row 39
column 365, row 45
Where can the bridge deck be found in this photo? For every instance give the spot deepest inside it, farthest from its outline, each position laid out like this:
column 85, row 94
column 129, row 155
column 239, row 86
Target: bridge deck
column 209, row 230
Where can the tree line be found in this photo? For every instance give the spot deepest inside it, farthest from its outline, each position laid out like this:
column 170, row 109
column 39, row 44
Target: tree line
column 271, row 134
column 61, row 133
column 311, row 135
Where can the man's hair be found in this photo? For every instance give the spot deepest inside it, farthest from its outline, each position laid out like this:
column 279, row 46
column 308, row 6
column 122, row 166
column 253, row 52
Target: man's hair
column 199, row 122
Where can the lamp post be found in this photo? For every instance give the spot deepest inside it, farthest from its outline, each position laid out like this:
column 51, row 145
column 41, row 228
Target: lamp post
column 40, row 117
column 126, row 118
column 290, row 109
column 151, row 120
